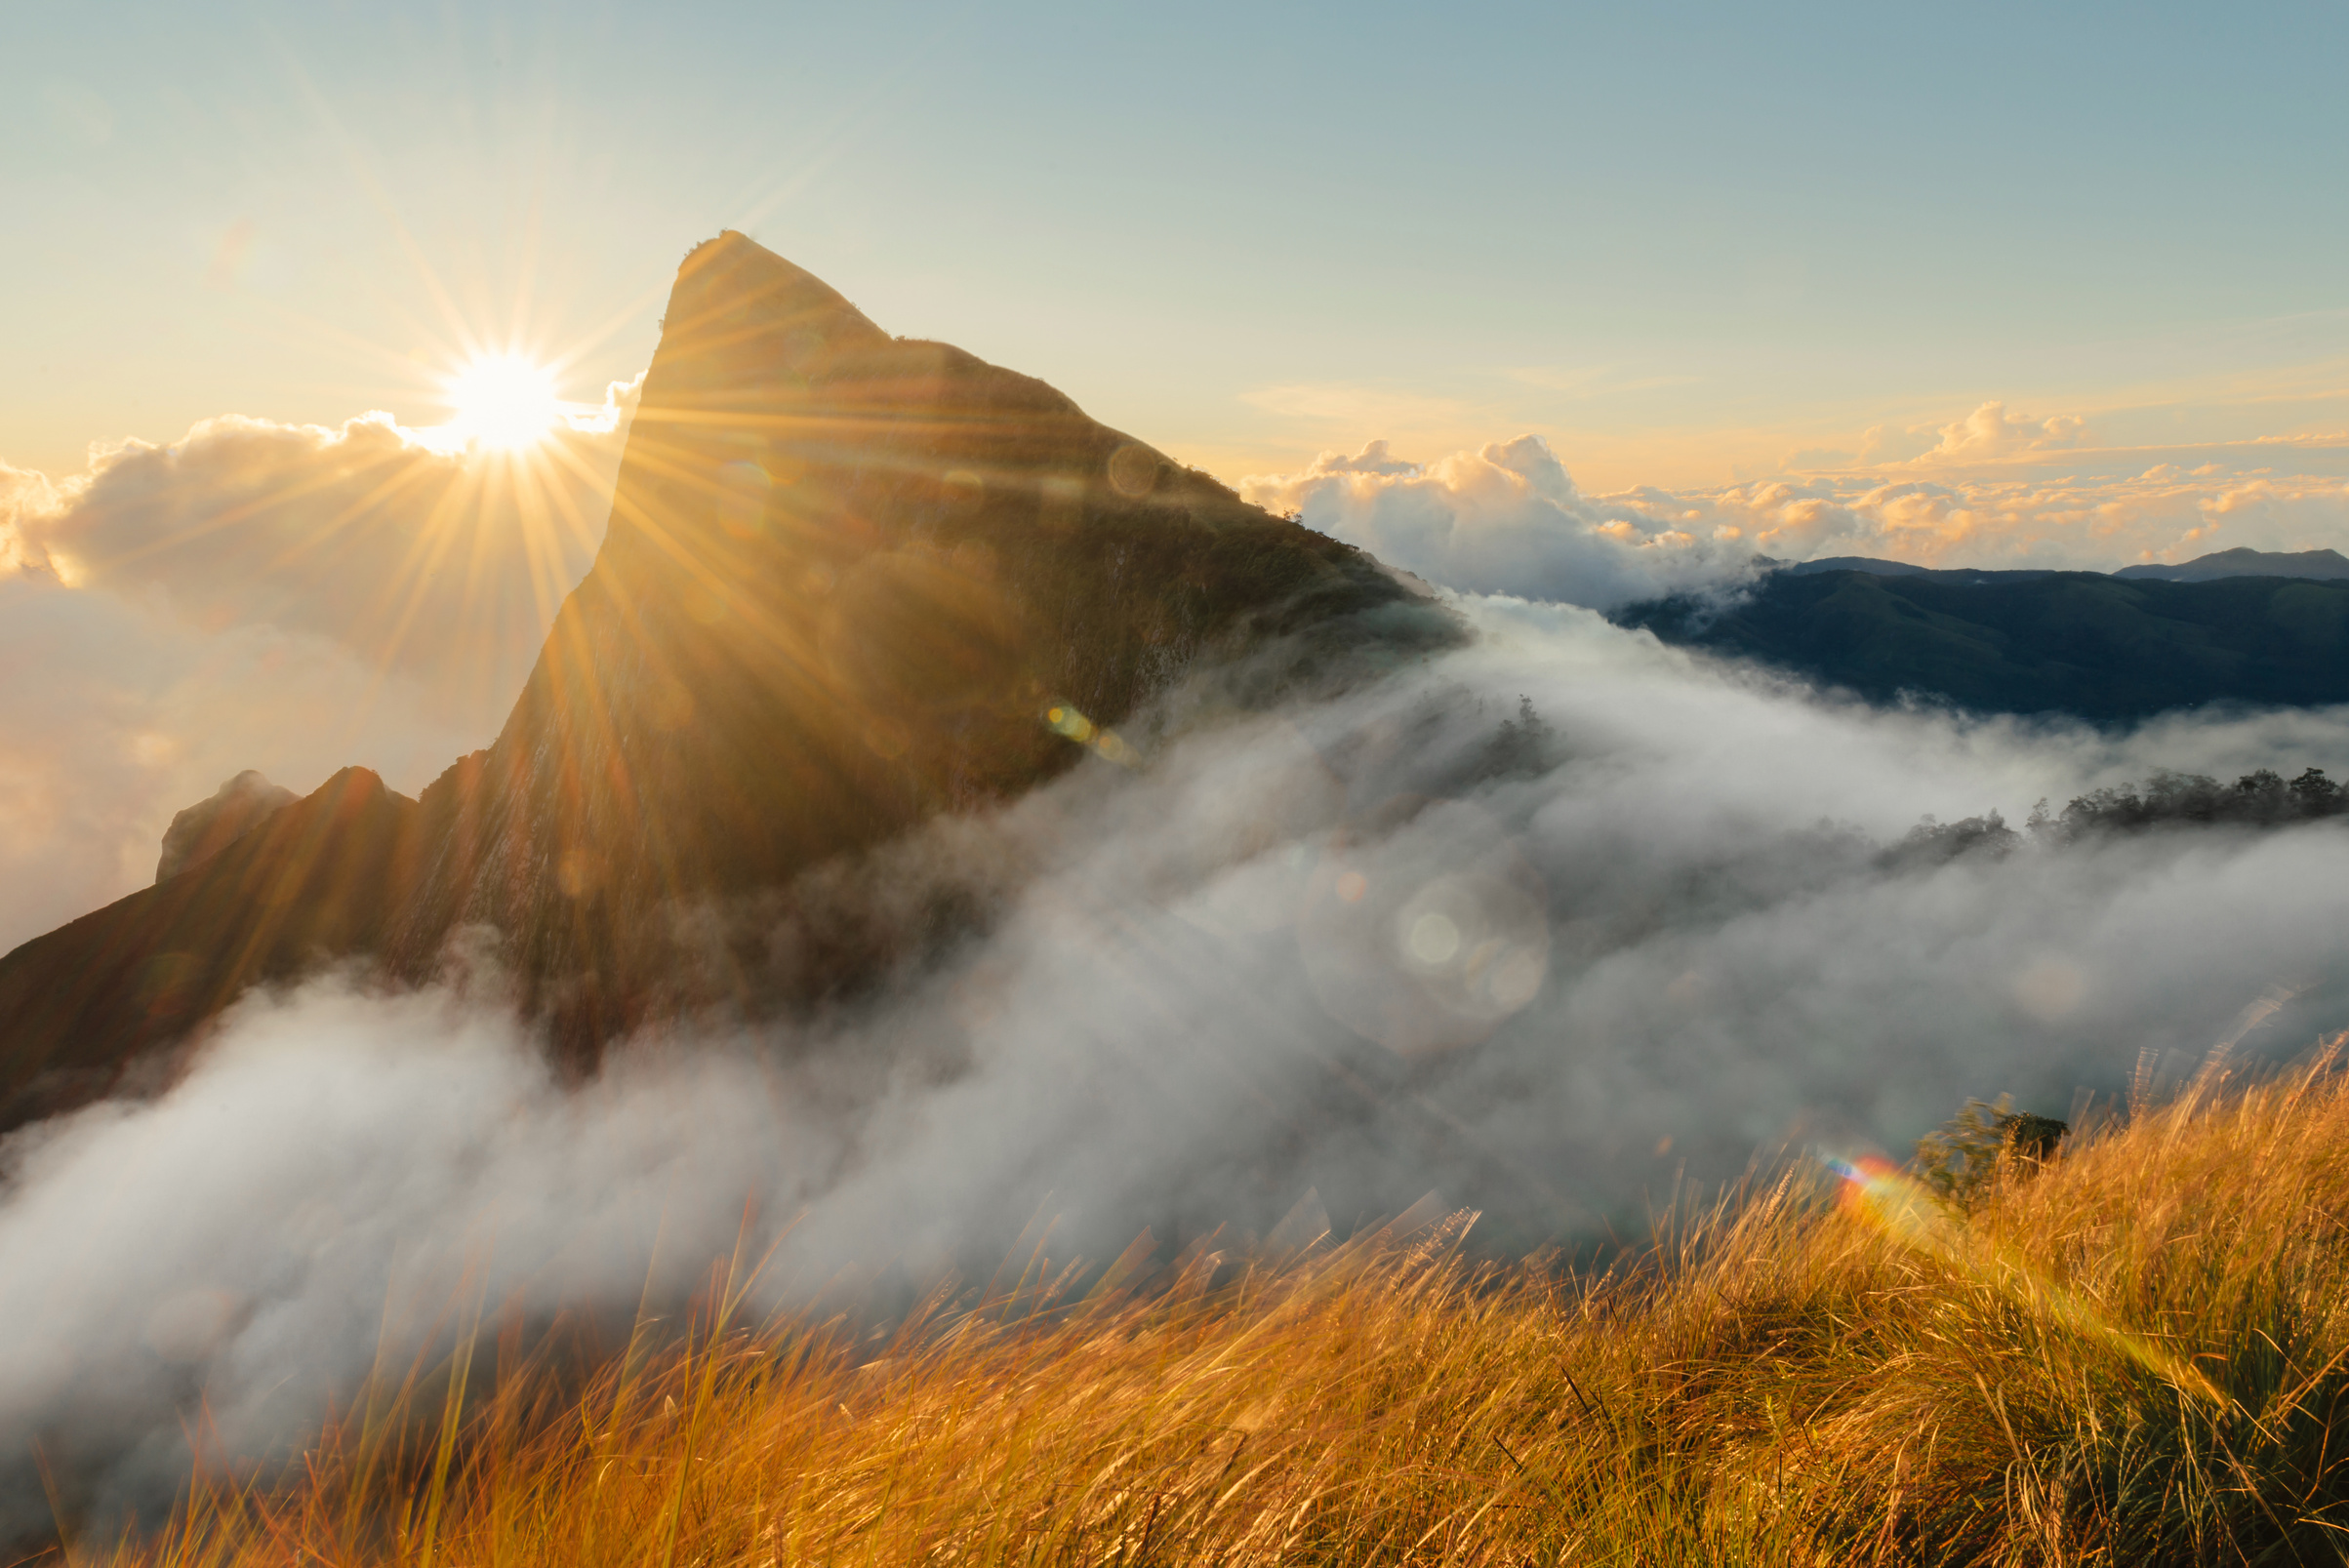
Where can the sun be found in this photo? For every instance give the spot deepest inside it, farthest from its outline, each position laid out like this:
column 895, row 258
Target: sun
column 503, row 401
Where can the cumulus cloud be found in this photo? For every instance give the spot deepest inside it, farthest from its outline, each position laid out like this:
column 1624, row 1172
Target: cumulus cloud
column 2065, row 522
column 291, row 598
column 1509, row 519
column 1373, row 459
column 1505, row 519
column 445, row 564
column 1368, row 948
column 24, row 494
column 1990, row 431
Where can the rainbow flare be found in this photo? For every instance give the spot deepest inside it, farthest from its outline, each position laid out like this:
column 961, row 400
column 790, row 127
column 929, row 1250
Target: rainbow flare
column 1890, row 1201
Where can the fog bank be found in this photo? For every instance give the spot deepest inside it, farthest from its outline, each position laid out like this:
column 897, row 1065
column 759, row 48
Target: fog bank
column 1553, row 966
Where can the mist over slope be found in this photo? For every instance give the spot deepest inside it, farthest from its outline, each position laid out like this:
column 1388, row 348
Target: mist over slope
column 941, row 828
column 1361, row 948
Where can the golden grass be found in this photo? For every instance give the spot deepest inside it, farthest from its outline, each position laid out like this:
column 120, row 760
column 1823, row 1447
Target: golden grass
column 2136, row 1356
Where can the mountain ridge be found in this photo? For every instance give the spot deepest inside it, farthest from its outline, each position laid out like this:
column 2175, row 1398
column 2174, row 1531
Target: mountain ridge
column 2240, row 561
column 2103, row 648
column 846, row 578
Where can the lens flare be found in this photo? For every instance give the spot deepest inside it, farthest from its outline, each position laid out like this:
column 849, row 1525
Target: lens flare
column 1880, row 1195
column 503, row 401
column 1062, row 719
column 1425, row 941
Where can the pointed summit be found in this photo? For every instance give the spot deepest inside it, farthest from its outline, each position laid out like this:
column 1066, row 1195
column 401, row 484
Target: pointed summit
column 847, row 580
column 734, row 295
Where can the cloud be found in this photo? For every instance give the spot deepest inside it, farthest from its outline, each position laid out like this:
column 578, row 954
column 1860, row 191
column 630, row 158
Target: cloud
column 1373, row 459
column 444, row 564
column 1365, row 949
column 1988, row 434
column 1508, row 519
column 1505, row 519
column 1990, row 431
column 1880, row 444
column 24, row 494
column 334, row 1149
column 291, row 598
column 115, row 716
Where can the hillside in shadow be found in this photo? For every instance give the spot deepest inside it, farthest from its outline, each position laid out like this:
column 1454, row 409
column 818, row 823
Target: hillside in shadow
column 2102, row 648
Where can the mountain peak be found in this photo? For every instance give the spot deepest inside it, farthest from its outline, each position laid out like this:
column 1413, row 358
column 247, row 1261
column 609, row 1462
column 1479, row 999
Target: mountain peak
column 736, row 302
column 847, row 581
column 847, row 575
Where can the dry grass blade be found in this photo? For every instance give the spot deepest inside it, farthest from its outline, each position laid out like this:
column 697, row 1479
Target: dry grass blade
column 1781, row 1382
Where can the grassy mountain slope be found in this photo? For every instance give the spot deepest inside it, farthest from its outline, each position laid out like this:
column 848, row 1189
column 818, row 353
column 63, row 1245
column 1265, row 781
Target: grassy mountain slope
column 2138, row 1354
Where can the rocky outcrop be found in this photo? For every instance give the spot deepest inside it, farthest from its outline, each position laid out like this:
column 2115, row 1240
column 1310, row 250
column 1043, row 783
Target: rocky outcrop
column 321, row 880
column 205, row 828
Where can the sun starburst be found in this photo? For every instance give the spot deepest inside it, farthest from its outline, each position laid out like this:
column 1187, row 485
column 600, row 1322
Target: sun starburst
column 504, row 401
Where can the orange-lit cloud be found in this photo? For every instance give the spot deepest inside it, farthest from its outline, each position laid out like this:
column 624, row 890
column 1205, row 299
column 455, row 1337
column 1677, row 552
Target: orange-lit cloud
column 1504, row 519
column 443, row 564
column 1509, row 519
column 1990, row 431
column 292, row 598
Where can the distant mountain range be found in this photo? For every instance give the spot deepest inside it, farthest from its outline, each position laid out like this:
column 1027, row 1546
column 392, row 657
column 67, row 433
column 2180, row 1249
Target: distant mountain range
column 2241, row 562
column 2237, row 626
column 851, row 581
column 2238, row 562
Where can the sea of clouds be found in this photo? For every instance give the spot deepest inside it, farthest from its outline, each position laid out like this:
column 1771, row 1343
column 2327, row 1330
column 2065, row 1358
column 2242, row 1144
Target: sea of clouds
column 1563, row 925
column 1361, row 951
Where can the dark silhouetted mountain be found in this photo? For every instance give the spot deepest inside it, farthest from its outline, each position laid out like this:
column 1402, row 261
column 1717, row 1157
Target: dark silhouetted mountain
column 209, row 827
column 1856, row 563
column 2238, row 562
column 2241, row 562
column 1879, row 568
column 2075, row 642
column 845, row 578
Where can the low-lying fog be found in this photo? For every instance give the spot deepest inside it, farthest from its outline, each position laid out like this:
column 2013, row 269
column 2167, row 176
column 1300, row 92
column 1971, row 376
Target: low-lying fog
column 1369, row 949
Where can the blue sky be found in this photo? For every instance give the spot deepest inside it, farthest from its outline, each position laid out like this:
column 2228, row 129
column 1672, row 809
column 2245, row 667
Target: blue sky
column 1630, row 293
column 1682, row 242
